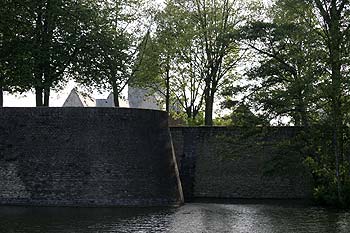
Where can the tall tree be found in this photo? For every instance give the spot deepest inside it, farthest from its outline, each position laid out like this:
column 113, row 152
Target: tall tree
column 60, row 31
column 288, row 58
column 14, row 62
column 205, row 50
column 305, row 64
column 334, row 19
column 217, row 24
column 155, row 71
column 50, row 34
column 173, row 65
column 115, row 48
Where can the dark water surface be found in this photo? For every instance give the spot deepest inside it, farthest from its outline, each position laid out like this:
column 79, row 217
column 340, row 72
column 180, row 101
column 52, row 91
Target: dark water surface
column 191, row 218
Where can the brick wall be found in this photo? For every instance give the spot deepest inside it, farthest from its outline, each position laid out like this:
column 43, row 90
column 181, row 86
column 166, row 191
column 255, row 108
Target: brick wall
column 219, row 162
column 86, row 157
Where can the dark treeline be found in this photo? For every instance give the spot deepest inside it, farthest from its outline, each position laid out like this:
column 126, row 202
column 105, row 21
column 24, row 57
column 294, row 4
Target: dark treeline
column 285, row 63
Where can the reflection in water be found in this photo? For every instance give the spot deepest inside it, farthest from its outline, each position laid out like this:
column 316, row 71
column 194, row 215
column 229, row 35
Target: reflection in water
column 192, row 218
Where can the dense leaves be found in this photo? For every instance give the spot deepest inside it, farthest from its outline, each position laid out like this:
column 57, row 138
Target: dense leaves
column 113, row 54
column 41, row 40
column 300, row 77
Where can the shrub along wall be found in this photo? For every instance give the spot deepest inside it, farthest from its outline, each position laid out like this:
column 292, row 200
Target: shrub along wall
column 220, row 162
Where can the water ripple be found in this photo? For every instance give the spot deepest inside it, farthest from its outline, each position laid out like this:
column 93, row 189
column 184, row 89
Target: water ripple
column 191, row 218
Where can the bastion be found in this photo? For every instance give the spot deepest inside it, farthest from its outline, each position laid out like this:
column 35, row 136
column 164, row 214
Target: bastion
column 87, row 157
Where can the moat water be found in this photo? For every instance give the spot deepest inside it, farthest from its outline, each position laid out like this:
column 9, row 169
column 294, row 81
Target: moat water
column 192, row 218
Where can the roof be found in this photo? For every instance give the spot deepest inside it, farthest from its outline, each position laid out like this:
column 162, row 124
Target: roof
column 79, row 99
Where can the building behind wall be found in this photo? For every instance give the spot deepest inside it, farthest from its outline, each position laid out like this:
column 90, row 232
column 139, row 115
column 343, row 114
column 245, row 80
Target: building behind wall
column 137, row 98
column 79, row 99
column 142, row 98
column 109, row 102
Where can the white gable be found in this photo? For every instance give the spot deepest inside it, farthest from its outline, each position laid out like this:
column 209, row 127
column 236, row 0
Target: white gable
column 141, row 98
column 73, row 100
column 137, row 98
column 77, row 99
column 109, row 102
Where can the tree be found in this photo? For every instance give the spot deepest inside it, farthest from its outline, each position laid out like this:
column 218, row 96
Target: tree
column 205, row 50
column 50, row 34
column 240, row 116
column 115, row 49
column 14, row 63
column 217, row 22
column 288, row 63
column 334, row 18
column 172, row 64
column 304, row 63
column 155, row 70
column 186, row 60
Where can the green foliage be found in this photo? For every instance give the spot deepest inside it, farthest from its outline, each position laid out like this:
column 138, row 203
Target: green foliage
column 285, row 80
column 320, row 160
column 326, row 187
column 291, row 148
column 183, row 119
column 172, row 65
column 46, row 43
column 197, row 121
column 222, row 121
column 15, row 60
column 241, row 115
column 299, row 74
column 111, row 57
column 190, row 57
column 40, row 41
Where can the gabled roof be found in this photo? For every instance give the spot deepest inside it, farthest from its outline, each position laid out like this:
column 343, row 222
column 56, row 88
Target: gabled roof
column 79, row 99
column 86, row 99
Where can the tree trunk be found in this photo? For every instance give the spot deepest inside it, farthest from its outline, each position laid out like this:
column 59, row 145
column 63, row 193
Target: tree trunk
column 115, row 95
column 337, row 163
column 302, row 113
column 116, row 100
column 336, row 77
column 47, row 41
column 189, row 113
column 297, row 118
column 167, row 95
column 39, row 96
column 1, row 96
column 208, row 104
column 304, row 118
column 47, row 96
column 38, row 73
column 337, row 130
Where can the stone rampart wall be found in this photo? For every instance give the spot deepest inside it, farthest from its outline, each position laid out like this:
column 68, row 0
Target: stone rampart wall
column 220, row 162
column 86, row 157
